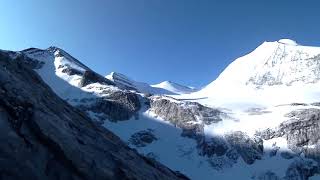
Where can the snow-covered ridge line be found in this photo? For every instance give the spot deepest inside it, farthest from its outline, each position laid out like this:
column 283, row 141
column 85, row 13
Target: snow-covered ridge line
column 175, row 87
column 166, row 87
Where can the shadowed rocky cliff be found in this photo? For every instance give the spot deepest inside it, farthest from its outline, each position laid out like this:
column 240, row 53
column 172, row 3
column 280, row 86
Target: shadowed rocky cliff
column 42, row 137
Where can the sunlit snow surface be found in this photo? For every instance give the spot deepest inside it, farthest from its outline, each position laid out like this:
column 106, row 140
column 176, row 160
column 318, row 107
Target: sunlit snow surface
column 181, row 154
column 174, row 87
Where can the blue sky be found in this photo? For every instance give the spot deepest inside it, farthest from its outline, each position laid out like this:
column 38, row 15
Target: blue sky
column 186, row 41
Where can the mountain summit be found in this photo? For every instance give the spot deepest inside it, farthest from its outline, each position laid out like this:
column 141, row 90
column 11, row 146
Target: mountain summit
column 282, row 62
column 174, row 87
column 282, row 69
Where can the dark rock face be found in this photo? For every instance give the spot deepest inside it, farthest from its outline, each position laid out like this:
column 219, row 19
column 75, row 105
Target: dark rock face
column 301, row 131
column 90, row 77
column 297, row 170
column 303, row 128
column 313, row 153
column 179, row 114
column 43, row 137
column 232, row 155
column 142, row 138
column 301, row 170
column 119, row 105
column 193, row 131
column 269, row 133
column 70, row 71
column 31, row 63
column 249, row 149
column 213, row 146
column 302, row 134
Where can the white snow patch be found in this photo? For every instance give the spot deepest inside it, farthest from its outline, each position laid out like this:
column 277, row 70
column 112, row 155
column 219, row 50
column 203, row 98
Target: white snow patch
column 288, row 42
column 174, row 87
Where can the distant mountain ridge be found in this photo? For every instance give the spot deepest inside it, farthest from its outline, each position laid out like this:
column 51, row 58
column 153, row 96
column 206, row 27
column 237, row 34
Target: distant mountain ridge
column 166, row 87
column 175, row 87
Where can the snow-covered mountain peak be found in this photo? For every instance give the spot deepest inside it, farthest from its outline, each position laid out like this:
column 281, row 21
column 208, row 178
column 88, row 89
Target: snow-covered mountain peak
column 175, row 87
column 166, row 83
column 60, row 69
column 54, row 55
column 282, row 62
column 288, row 42
column 282, row 69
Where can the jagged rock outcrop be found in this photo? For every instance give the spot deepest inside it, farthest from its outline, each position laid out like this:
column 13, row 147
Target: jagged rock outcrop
column 32, row 63
column 232, row 155
column 302, row 128
column 248, row 148
column 118, row 105
column 302, row 134
column 297, row 170
column 67, row 69
column 213, row 146
column 90, row 77
column 269, row 133
column 43, row 137
column 142, row 138
column 179, row 112
column 194, row 131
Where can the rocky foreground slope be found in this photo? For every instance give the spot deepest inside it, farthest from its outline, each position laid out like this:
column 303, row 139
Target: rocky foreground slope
column 43, row 137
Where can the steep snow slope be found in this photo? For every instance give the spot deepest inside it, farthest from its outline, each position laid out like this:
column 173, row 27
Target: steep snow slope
column 281, row 62
column 277, row 72
column 174, row 87
column 59, row 69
